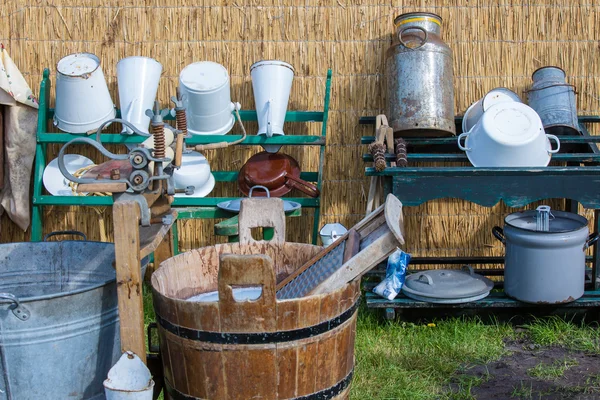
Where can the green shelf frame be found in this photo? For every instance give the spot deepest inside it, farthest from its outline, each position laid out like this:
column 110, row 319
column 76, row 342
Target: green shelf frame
column 189, row 208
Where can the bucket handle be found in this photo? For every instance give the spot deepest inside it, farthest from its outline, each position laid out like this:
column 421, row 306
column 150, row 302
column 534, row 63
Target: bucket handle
column 592, row 239
column 19, row 310
column 551, row 86
column 464, row 147
column 413, row 27
column 250, row 315
column 499, row 234
column 57, row 233
column 302, row 185
column 552, row 137
column 261, row 213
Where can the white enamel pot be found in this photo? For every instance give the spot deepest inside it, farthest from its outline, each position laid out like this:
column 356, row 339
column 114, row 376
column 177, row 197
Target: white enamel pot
column 194, row 172
column 83, row 101
column 476, row 110
column 206, row 92
column 508, row 135
column 271, row 84
column 138, row 79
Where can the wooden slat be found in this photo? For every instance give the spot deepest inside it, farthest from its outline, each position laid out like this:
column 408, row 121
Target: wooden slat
column 151, row 236
column 126, row 217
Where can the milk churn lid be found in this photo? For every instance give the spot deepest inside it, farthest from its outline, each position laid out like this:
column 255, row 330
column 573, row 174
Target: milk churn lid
column 442, row 285
column 558, row 221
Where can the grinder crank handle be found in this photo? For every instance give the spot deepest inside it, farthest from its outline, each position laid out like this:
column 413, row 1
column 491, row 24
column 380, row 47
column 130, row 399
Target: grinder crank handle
column 98, row 146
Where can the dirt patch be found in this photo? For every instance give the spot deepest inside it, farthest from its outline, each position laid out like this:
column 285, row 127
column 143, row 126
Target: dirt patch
column 533, row 372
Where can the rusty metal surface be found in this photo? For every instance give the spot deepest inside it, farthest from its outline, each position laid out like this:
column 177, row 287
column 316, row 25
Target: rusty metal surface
column 419, row 78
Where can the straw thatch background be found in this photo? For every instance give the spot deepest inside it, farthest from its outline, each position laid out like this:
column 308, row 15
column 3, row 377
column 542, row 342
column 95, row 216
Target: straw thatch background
column 494, row 45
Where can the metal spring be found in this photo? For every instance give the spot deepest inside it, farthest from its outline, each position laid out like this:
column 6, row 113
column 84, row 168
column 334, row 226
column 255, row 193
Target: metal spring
column 181, row 121
column 159, row 140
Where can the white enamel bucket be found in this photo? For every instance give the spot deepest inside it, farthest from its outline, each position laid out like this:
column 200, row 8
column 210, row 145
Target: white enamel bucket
column 206, row 92
column 83, row 101
column 138, row 79
column 271, row 83
column 508, row 135
column 329, row 233
column 476, row 110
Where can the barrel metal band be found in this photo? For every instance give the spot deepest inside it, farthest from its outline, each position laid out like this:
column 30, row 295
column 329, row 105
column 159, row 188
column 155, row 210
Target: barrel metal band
column 324, row 394
column 417, row 19
column 257, row 338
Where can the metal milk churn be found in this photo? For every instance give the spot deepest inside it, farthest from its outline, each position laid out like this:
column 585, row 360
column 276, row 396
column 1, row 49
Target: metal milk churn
column 419, row 78
column 554, row 100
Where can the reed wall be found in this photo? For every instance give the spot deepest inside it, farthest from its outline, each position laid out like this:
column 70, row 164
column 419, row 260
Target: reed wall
column 495, row 43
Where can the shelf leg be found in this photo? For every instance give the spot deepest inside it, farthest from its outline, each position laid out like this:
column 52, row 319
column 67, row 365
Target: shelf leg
column 390, row 314
column 596, row 252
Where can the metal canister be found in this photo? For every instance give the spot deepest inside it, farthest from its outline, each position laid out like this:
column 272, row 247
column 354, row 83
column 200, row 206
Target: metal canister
column 419, row 78
column 554, row 100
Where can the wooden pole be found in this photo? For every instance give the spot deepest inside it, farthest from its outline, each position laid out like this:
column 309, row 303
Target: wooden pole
column 126, row 219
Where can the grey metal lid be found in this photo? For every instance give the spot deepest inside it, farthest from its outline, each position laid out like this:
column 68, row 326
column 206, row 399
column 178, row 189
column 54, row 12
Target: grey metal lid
column 447, row 284
column 558, row 221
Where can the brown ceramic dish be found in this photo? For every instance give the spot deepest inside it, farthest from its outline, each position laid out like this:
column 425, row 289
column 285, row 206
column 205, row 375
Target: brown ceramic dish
column 278, row 172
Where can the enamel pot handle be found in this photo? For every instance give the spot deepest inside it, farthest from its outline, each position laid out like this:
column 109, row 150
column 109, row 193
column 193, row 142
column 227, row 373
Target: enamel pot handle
column 592, row 239
column 460, row 146
column 499, row 234
column 302, row 185
column 550, row 138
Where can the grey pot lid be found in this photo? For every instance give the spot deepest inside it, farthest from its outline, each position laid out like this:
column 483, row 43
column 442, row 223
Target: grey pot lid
column 447, row 284
column 557, row 221
column 234, row 205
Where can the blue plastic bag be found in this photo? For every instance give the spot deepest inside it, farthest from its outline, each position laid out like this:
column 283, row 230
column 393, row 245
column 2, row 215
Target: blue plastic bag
column 395, row 274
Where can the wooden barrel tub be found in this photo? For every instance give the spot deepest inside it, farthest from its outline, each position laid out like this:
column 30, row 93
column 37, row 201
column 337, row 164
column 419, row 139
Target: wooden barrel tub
column 299, row 348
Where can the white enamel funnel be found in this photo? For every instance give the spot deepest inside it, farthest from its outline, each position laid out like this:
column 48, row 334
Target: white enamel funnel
column 138, row 79
column 271, row 83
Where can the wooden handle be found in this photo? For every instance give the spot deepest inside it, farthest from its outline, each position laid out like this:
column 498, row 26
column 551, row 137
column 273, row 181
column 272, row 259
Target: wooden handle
column 250, row 315
column 260, row 212
column 211, row 146
column 117, row 187
column 302, row 185
column 179, row 150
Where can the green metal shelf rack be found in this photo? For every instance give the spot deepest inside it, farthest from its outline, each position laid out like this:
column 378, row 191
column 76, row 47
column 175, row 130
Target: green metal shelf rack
column 188, row 208
column 577, row 181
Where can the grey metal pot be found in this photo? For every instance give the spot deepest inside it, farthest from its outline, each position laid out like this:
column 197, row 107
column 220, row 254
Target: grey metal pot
column 545, row 255
column 59, row 323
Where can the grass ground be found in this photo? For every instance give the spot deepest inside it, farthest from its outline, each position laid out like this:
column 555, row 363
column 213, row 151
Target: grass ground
column 465, row 358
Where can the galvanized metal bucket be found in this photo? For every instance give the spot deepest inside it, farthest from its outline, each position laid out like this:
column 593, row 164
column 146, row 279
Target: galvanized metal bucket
column 59, row 324
column 554, row 100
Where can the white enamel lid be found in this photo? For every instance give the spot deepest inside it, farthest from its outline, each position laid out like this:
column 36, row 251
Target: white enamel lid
column 204, row 76
column 512, row 124
column 78, row 64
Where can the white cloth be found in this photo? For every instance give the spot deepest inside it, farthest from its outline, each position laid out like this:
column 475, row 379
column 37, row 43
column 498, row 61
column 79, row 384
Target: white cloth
column 20, row 122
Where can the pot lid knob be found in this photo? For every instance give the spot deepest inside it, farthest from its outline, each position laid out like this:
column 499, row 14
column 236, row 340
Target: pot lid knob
column 542, row 219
